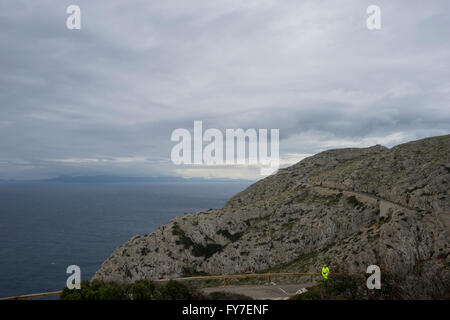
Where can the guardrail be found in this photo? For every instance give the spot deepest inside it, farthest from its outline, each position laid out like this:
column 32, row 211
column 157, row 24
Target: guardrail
column 34, row 295
column 224, row 277
column 245, row 275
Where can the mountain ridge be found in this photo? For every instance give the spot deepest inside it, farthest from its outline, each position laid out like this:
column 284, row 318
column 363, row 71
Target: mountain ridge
column 349, row 208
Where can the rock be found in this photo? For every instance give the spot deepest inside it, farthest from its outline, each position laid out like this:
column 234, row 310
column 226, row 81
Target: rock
column 349, row 208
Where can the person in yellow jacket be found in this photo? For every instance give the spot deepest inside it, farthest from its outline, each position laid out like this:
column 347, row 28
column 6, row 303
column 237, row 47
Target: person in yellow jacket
column 325, row 271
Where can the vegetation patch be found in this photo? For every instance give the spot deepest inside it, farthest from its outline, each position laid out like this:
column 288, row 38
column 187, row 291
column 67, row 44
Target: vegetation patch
column 139, row 290
column 354, row 202
column 144, row 251
column 232, row 237
column 207, row 251
column 142, row 290
column 198, row 250
column 184, row 240
column 385, row 219
column 351, row 287
column 333, row 199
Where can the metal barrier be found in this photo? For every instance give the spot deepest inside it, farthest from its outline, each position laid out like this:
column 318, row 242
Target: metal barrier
column 32, row 296
column 245, row 275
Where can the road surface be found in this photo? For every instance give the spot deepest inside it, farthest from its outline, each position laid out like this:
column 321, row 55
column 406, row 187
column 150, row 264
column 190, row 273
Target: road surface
column 262, row 292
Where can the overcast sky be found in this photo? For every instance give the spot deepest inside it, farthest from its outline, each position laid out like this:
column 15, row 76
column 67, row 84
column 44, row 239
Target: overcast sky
column 105, row 99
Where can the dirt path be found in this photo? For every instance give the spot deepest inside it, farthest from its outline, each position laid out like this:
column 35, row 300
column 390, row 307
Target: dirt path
column 359, row 193
column 445, row 216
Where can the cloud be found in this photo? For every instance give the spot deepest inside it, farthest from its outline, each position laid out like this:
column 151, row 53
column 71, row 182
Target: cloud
column 115, row 90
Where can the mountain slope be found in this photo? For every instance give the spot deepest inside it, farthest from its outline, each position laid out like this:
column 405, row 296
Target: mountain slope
column 349, row 208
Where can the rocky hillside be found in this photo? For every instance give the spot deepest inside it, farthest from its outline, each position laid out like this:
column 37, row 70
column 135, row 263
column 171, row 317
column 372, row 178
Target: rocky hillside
column 348, row 207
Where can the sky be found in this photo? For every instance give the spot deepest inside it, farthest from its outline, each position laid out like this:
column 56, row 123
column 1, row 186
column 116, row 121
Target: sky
column 105, row 99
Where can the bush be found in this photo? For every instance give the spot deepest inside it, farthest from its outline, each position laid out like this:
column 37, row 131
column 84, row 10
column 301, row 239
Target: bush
column 141, row 290
column 337, row 287
column 144, row 290
column 198, row 250
column 174, row 290
column 351, row 287
column 96, row 290
column 206, row 251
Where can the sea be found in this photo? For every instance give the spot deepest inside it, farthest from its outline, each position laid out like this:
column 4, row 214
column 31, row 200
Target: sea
column 47, row 226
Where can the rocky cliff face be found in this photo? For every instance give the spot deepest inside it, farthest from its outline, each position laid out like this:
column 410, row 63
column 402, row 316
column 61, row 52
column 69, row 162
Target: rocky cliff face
column 349, row 208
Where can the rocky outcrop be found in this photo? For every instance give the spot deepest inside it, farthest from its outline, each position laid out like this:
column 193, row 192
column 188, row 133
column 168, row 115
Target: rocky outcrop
column 349, row 208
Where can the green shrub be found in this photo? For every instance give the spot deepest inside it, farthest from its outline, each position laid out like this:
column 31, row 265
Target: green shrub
column 337, row 287
column 232, row 237
column 96, row 290
column 185, row 240
column 351, row 287
column 197, row 249
column 353, row 201
column 141, row 290
column 144, row 290
column 207, row 251
column 174, row 290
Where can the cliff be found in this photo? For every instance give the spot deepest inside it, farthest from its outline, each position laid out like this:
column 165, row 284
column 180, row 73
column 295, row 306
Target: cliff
column 348, row 207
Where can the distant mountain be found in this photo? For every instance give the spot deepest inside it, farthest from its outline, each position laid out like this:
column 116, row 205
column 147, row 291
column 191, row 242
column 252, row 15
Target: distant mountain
column 124, row 179
column 348, row 208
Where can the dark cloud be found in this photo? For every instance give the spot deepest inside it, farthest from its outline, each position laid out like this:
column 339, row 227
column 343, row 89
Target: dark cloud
column 106, row 98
